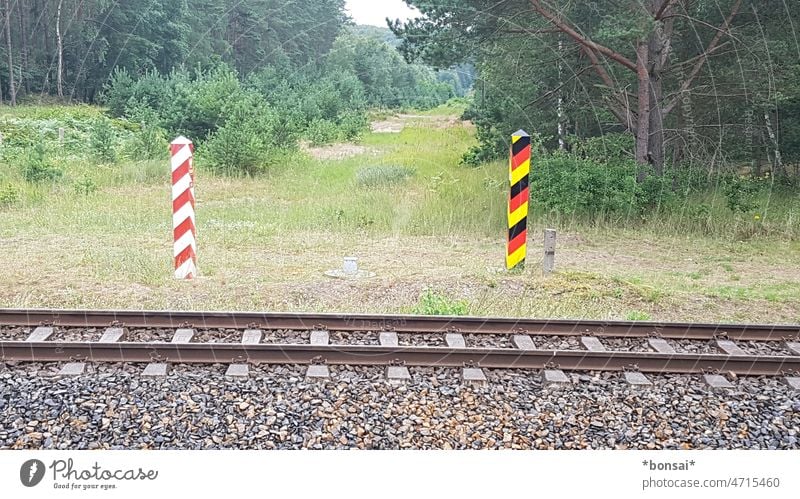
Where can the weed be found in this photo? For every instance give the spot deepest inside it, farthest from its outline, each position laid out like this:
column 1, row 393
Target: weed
column 374, row 176
column 434, row 303
column 9, row 196
column 85, row 186
column 38, row 167
column 637, row 315
column 103, row 141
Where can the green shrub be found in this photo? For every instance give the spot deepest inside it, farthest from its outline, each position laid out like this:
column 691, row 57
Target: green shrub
column 9, row 196
column 741, row 194
column 246, row 143
column 353, row 124
column 149, row 143
column 85, row 186
column 103, row 141
column 568, row 185
column 321, row 132
column 38, row 168
column 373, row 176
column 433, row 303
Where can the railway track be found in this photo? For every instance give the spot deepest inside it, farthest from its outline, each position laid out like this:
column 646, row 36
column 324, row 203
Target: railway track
column 740, row 349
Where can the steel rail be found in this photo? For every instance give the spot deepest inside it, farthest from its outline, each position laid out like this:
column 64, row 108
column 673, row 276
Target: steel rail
column 397, row 323
column 210, row 353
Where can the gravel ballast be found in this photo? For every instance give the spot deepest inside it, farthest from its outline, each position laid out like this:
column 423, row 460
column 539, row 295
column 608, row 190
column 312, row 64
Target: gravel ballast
column 197, row 407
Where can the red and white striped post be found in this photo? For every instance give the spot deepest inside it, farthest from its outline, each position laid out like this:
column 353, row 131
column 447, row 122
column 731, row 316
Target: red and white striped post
column 183, row 223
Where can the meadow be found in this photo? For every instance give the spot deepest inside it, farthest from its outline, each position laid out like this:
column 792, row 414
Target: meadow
column 432, row 230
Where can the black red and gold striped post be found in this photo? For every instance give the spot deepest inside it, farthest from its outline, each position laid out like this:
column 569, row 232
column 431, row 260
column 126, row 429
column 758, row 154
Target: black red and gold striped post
column 519, row 168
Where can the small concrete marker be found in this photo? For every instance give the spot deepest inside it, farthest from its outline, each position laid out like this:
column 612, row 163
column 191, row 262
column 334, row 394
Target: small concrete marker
column 793, row 382
column 555, row 377
column 252, row 336
column 320, row 337
column 473, row 375
column 318, row 371
column 155, row 369
column 793, row 347
column 72, row 369
column 238, row 371
column 455, row 340
column 388, row 339
column 729, row 347
column 717, row 381
column 592, row 344
column 397, row 374
column 635, row 378
column 113, row 335
column 523, row 342
column 183, row 336
column 660, row 345
column 41, row 333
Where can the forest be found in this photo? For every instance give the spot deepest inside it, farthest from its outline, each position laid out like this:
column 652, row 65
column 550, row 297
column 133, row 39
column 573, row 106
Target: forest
column 693, row 82
column 635, row 107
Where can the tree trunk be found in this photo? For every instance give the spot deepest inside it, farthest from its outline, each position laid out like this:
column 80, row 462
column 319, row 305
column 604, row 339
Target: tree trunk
column 11, row 90
column 643, row 115
column 24, row 10
column 562, row 142
column 60, row 48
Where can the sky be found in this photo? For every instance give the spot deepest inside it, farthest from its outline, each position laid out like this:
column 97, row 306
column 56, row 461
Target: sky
column 375, row 12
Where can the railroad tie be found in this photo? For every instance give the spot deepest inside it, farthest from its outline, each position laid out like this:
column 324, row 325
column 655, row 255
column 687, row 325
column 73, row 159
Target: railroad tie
column 249, row 337
column 388, row 339
column 660, row 345
column 729, row 347
column 397, row 374
column 155, row 370
column 455, row 340
column 72, row 369
column 555, row 377
column 592, row 344
column 318, row 371
column 717, row 382
column 793, row 347
column 523, row 342
column 113, row 335
column 183, row 335
column 473, row 375
column 637, row 379
column 320, row 337
column 41, row 333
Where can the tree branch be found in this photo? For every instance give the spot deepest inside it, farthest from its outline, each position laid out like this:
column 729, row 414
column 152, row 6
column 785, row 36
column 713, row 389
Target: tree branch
column 621, row 109
column 548, row 94
column 701, row 62
column 661, row 10
column 582, row 40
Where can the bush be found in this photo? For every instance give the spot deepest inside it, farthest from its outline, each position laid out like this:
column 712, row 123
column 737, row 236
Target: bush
column 85, row 186
column 352, row 125
column 9, row 196
column 38, row 168
column 149, row 143
column 103, row 141
column 373, row 176
column 569, row 185
column 246, row 143
column 741, row 194
column 433, row 303
column 321, row 132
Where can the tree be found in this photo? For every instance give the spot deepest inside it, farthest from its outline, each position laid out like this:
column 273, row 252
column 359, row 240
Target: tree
column 627, row 50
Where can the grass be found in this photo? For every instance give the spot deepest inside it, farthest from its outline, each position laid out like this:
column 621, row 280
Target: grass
column 101, row 237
